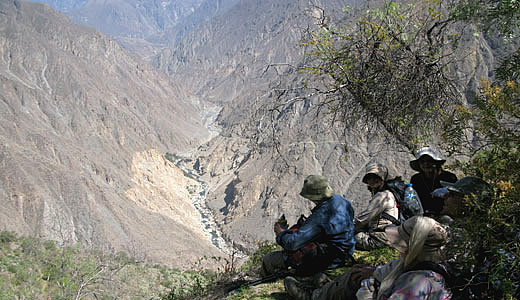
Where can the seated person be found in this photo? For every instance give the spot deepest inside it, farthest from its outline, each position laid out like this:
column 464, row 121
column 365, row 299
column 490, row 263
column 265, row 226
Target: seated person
column 324, row 240
column 418, row 274
column 469, row 259
column 370, row 224
column 429, row 166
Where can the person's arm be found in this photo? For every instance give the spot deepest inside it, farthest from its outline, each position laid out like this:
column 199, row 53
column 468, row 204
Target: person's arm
column 375, row 208
column 448, row 176
column 293, row 241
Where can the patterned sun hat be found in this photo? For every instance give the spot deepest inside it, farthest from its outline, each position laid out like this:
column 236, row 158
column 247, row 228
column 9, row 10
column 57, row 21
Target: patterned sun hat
column 375, row 169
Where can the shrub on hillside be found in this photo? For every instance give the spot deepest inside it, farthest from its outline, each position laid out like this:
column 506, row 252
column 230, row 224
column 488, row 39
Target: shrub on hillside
column 254, row 262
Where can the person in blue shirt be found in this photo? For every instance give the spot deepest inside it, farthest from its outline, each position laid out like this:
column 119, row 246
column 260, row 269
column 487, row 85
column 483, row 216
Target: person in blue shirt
column 322, row 241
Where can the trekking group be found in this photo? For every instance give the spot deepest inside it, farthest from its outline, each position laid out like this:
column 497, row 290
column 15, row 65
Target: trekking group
column 419, row 220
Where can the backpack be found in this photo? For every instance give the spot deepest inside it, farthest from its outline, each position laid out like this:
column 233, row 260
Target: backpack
column 408, row 202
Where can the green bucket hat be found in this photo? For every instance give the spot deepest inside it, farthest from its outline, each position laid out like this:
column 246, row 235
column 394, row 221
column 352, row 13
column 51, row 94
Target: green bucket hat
column 316, row 188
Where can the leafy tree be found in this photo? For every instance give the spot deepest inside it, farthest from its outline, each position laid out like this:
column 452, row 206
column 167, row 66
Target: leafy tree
column 388, row 67
column 500, row 16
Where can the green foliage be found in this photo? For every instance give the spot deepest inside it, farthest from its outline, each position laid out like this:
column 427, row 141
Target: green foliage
column 270, row 291
column 493, row 155
column 509, row 67
column 388, row 68
column 199, row 281
column 376, row 257
column 254, row 262
column 189, row 284
column 486, row 138
column 7, row 237
column 34, row 269
column 502, row 16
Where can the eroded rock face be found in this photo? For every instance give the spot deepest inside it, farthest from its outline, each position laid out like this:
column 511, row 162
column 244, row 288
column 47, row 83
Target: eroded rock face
column 83, row 126
column 160, row 187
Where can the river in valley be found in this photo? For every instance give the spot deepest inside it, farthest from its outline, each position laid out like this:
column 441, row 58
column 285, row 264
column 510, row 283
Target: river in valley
column 198, row 194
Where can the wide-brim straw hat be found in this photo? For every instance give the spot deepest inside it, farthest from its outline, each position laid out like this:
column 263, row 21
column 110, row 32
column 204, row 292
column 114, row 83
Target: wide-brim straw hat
column 425, row 151
column 316, row 188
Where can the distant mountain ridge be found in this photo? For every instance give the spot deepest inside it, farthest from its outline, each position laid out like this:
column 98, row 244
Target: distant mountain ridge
column 141, row 26
column 127, row 18
column 84, row 127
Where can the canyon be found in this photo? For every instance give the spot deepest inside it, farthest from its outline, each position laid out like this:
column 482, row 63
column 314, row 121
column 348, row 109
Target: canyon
column 151, row 131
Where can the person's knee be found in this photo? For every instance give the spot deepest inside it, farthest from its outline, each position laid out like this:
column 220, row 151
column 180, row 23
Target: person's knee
column 338, row 289
column 362, row 241
column 366, row 242
column 272, row 262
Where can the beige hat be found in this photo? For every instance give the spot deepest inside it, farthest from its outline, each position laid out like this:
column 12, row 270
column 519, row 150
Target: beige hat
column 316, row 188
column 375, row 169
column 399, row 236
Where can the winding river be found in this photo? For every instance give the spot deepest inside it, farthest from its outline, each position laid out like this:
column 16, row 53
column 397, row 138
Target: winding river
column 198, row 196
column 199, row 192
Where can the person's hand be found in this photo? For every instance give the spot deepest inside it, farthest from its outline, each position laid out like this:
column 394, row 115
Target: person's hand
column 301, row 220
column 361, row 272
column 278, row 228
column 440, row 193
column 367, row 289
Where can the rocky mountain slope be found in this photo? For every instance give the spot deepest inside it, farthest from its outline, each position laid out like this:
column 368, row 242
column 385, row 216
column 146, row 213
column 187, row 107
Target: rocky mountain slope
column 257, row 164
column 239, row 55
column 84, row 127
column 141, row 26
column 127, row 18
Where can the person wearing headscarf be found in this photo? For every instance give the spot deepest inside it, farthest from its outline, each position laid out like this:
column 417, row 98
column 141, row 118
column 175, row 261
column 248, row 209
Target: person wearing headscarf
column 429, row 165
column 370, row 224
column 323, row 240
column 418, row 274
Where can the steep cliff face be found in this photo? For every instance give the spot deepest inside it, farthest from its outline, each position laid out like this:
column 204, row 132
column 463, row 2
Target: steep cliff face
column 82, row 129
